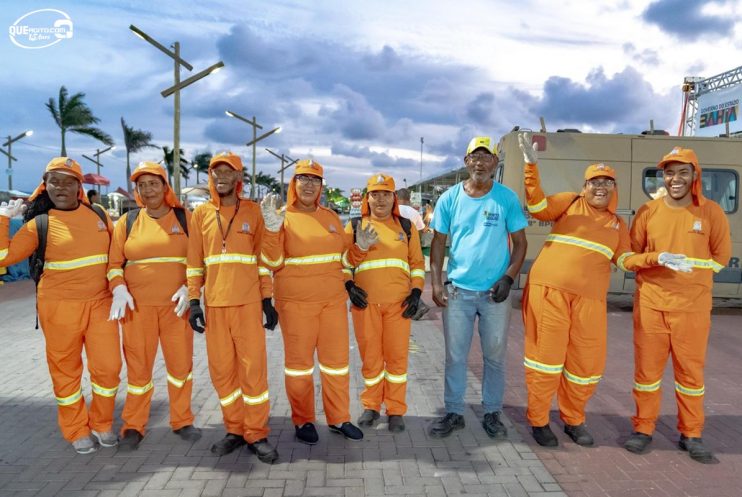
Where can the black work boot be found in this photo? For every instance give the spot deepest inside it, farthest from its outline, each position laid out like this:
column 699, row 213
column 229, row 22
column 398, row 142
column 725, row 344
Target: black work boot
column 544, row 436
column 638, row 443
column 348, row 430
column 396, row 423
column 443, row 427
column 579, row 434
column 188, row 433
column 307, row 434
column 264, row 450
column 130, row 440
column 493, row 426
column 368, row 418
column 228, row 444
column 696, row 450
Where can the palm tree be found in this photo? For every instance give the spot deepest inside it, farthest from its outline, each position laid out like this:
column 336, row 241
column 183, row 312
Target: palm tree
column 135, row 140
column 269, row 182
column 168, row 159
column 201, row 163
column 74, row 115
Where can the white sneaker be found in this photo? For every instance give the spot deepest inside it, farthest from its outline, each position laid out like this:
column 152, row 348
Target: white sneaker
column 107, row 439
column 84, row 445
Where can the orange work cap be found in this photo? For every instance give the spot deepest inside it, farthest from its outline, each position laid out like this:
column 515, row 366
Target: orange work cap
column 380, row 182
column 598, row 170
column 63, row 165
column 157, row 170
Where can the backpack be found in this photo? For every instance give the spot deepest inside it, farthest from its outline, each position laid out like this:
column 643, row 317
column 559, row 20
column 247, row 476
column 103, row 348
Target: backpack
column 134, row 214
column 406, row 226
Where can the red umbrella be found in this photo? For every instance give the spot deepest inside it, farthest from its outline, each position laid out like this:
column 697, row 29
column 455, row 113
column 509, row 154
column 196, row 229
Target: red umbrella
column 95, row 179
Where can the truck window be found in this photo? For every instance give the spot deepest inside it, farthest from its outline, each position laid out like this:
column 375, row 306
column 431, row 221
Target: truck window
column 719, row 185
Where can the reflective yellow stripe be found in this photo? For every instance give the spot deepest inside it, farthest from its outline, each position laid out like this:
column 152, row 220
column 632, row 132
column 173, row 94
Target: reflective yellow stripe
column 229, row 399
column 348, row 272
column 194, row 271
column 298, row 372
column 230, row 259
column 706, row 264
column 113, row 273
column 693, row 392
column 375, row 380
column 179, row 383
column 152, row 260
column 104, row 392
column 543, row 368
column 333, row 371
column 68, row 401
column 252, row 401
column 77, row 263
column 271, row 262
column 579, row 242
column 538, row 207
column 647, row 387
column 418, row 273
column 264, row 271
column 345, row 261
column 135, row 390
column 395, row 378
column 383, row 264
column 580, row 380
column 620, row 260
column 3, row 254
column 312, row 259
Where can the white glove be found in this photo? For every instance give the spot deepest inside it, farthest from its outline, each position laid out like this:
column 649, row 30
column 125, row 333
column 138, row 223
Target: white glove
column 181, row 299
column 272, row 219
column 121, row 298
column 529, row 149
column 366, row 237
column 676, row 262
column 12, row 208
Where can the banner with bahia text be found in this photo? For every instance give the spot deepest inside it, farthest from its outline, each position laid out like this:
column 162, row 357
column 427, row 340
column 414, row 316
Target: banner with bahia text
column 717, row 108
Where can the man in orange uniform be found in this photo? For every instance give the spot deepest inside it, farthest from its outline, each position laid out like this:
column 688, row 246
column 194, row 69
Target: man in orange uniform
column 72, row 300
column 223, row 248
column 308, row 252
column 564, row 302
column 148, row 258
column 672, row 311
column 392, row 273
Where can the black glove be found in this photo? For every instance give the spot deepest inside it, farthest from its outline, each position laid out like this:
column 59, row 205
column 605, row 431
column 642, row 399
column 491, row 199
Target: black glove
column 501, row 289
column 271, row 316
column 411, row 303
column 197, row 316
column 357, row 294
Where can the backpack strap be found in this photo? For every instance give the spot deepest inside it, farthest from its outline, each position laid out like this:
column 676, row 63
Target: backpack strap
column 131, row 216
column 354, row 222
column 406, row 226
column 37, row 259
column 181, row 215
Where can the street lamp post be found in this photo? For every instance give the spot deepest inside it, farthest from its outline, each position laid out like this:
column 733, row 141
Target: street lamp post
column 253, row 143
column 283, row 158
column 9, row 153
column 96, row 161
column 175, row 91
column 421, row 170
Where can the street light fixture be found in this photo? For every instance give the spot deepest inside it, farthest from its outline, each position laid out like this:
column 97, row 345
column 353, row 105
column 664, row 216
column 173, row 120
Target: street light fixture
column 96, row 161
column 283, row 158
column 175, row 91
column 255, row 139
column 9, row 153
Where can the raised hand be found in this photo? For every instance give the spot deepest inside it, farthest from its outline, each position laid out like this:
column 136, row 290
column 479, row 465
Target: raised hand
column 269, row 208
column 366, row 237
column 529, row 149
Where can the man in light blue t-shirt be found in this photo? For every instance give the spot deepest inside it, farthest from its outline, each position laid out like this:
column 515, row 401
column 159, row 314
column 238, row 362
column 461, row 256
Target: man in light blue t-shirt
column 480, row 216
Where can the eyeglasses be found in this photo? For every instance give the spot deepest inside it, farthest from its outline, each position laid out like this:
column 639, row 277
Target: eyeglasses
column 308, row 179
column 480, row 157
column 602, row 183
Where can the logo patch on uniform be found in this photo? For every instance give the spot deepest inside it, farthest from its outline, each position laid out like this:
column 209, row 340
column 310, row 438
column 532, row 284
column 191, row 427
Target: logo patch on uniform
column 175, row 230
column 401, row 236
column 616, row 225
column 245, row 228
column 101, row 226
column 697, row 227
column 332, row 229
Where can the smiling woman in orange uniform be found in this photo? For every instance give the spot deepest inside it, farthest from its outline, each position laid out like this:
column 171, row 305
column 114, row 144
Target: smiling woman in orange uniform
column 392, row 273
column 72, row 300
column 148, row 259
column 305, row 251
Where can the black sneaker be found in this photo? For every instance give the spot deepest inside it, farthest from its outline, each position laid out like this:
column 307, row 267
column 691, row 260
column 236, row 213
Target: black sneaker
column 696, row 450
column 130, row 440
column 264, row 450
column 396, row 423
column 443, row 427
column 348, row 430
column 493, row 426
column 579, row 434
column 307, row 434
column 368, row 418
column 228, row 444
column 638, row 443
column 544, row 436
column 189, row 433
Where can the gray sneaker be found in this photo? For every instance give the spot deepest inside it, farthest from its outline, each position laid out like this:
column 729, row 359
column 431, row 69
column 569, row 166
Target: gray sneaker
column 84, row 445
column 106, row 439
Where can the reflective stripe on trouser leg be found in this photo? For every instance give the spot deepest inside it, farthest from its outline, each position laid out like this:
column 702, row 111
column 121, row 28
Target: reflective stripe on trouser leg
column 367, row 326
column 140, row 337
column 176, row 339
column 333, row 357
column 396, row 345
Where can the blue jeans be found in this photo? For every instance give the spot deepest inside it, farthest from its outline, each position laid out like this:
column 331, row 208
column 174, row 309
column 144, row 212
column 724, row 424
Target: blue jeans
column 464, row 306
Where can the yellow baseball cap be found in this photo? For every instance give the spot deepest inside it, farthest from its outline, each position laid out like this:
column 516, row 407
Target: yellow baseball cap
column 480, row 142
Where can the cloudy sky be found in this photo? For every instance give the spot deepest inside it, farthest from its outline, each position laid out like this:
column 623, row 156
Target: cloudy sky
column 356, row 84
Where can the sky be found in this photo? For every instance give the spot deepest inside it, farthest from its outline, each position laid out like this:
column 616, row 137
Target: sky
column 355, row 85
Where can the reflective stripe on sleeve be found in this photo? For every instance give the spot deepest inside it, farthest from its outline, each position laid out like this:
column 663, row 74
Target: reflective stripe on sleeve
column 271, row 262
column 194, row 271
column 706, row 264
column 621, row 259
column 418, row 273
column 537, row 207
column 113, row 273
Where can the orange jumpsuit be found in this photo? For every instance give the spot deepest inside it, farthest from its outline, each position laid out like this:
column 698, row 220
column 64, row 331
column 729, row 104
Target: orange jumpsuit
column 672, row 310
column 73, row 303
column 564, row 308
column 387, row 272
column 152, row 264
column 234, row 287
